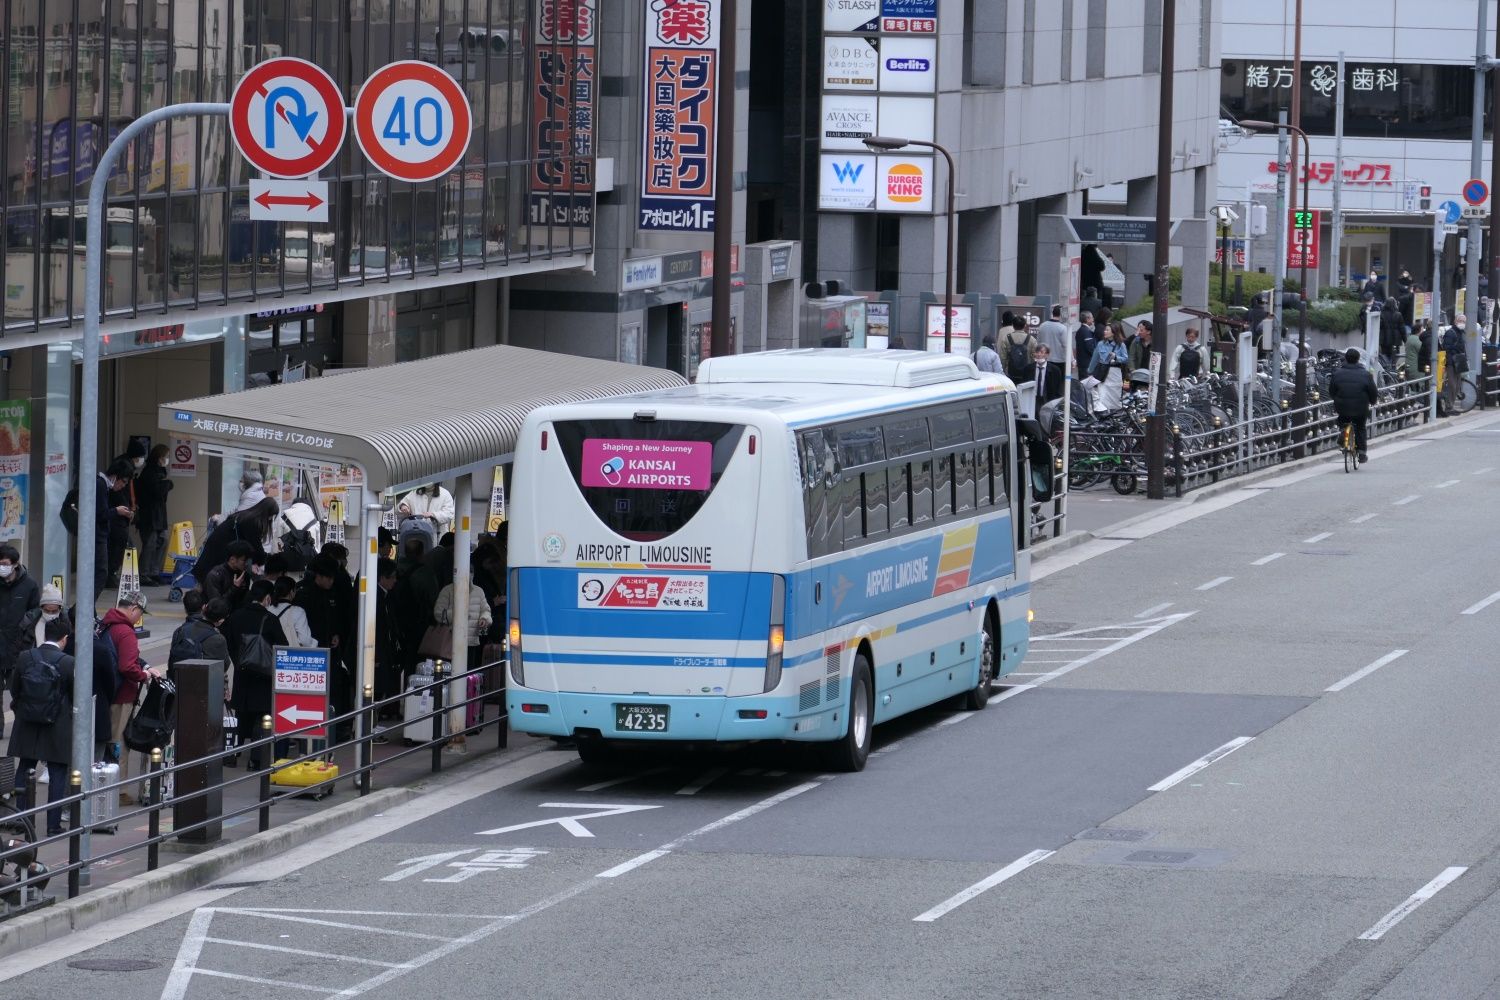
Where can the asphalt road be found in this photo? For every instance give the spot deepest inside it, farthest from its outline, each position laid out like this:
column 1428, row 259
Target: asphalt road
column 1252, row 755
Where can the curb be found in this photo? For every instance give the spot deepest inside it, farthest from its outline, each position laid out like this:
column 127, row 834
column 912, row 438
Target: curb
column 1053, row 546
column 68, row 915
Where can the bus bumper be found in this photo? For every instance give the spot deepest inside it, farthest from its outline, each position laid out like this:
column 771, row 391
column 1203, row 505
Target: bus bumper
column 706, row 719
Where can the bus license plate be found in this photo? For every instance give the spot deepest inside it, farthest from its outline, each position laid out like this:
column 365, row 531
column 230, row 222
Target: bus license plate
column 641, row 718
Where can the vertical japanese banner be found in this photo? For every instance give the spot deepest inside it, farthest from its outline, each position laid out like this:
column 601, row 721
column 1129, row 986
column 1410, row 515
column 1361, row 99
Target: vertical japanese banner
column 680, row 131
column 562, row 114
column 15, row 468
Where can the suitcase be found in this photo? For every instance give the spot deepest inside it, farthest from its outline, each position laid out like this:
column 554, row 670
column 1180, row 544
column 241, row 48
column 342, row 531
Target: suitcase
column 413, row 706
column 493, row 657
column 474, row 710
column 105, row 805
column 305, row 774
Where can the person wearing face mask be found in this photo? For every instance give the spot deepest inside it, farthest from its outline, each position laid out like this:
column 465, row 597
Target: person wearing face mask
column 33, row 626
column 19, row 595
column 1455, row 363
column 151, row 516
column 430, row 501
column 123, row 497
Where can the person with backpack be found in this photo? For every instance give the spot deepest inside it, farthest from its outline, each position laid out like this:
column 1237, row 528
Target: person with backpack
column 251, row 632
column 1455, row 364
column 119, row 627
column 31, row 632
column 198, row 637
column 41, row 693
column 1187, row 358
column 293, row 619
column 1016, row 349
column 230, row 580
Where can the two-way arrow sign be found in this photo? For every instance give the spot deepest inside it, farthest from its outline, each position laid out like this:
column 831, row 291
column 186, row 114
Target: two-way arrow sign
column 288, row 201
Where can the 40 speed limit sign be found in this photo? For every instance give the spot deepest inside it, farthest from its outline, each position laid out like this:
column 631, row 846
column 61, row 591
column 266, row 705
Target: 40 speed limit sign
column 412, row 121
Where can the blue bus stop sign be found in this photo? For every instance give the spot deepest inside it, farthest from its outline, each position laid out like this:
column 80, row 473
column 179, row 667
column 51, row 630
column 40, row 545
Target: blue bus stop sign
column 1451, row 212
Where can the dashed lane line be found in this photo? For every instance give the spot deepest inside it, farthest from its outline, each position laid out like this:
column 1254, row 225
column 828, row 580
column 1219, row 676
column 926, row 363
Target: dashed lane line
column 1447, row 483
column 1364, row 672
column 1365, row 517
column 1187, row 772
column 1413, row 901
column 1474, row 609
column 1155, row 609
column 1215, row 582
column 1406, row 500
column 1263, row 560
column 1315, row 539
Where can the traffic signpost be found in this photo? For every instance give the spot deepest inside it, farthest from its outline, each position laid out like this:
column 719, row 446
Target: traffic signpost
column 287, row 117
column 301, row 690
column 412, row 120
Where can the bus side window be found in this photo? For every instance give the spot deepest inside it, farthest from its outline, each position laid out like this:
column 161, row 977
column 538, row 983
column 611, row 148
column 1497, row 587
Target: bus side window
column 877, row 514
column 921, row 492
column 963, row 482
column 942, row 486
column 1000, row 473
column 900, row 482
column 852, row 501
column 815, row 493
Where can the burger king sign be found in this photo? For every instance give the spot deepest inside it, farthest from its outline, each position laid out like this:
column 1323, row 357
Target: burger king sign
column 905, row 184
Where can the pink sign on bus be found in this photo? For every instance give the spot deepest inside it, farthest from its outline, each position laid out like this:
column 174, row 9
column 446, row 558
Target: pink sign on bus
column 648, row 465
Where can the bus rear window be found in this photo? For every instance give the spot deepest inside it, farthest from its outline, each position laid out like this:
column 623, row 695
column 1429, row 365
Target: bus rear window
column 645, row 480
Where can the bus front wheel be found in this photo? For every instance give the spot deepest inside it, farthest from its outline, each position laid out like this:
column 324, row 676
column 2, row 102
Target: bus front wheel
column 979, row 695
column 851, row 752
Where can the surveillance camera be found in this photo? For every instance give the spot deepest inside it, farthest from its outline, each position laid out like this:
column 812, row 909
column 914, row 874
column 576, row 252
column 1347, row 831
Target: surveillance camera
column 1226, row 215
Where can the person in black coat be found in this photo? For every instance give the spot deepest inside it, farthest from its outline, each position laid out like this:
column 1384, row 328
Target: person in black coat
column 330, row 617
column 123, row 498
column 250, row 526
column 1352, row 389
column 19, row 596
column 50, row 743
column 151, row 491
column 252, row 696
column 1048, row 377
column 1392, row 329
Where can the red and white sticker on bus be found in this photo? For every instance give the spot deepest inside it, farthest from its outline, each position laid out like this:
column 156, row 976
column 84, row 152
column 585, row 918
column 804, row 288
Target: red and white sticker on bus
column 643, row 592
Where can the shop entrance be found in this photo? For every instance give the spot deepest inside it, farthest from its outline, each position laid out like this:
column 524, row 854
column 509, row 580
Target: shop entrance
column 666, row 328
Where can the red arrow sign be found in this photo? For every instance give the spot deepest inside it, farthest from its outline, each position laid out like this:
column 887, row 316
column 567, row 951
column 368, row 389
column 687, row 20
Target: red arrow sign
column 294, row 710
column 309, row 201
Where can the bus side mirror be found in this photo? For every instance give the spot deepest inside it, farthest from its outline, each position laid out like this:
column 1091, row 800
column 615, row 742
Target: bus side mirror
column 1037, row 459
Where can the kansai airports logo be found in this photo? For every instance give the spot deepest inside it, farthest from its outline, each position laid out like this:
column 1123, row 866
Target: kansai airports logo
column 908, row 65
column 905, row 183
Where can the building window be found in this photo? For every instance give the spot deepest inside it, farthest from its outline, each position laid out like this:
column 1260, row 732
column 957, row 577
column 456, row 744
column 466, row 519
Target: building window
column 1151, row 54
column 1028, row 43
column 1206, row 33
column 984, row 42
column 1094, row 48
column 1067, row 41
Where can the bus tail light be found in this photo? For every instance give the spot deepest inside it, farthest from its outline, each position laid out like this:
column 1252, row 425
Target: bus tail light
column 513, row 598
column 777, row 640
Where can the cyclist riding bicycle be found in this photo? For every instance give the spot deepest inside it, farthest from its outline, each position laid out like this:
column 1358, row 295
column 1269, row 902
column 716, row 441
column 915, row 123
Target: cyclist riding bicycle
column 1352, row 389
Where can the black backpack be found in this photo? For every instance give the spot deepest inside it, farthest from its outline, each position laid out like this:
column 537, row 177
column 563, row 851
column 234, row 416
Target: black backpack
column 152, row 723
column 39, row 694
column 105, row 656
column 1016, row 359
column 297, row 546
column 1190, row 363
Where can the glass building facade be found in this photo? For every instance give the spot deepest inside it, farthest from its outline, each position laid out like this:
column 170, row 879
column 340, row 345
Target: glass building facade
column 178, row 232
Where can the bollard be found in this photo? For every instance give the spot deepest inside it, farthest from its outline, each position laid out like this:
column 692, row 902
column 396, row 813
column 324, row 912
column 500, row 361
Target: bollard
column 437, row 718
column 75, row 833
column 265, row 777
column 366, row 749
column 200, row 738
column 153, row 823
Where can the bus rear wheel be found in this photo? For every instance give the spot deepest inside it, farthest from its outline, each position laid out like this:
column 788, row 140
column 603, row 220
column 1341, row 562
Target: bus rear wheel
column 979, row 696
column 851, row 752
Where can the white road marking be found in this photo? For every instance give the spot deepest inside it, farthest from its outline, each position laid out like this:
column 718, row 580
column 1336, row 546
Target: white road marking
column 1475, row 609
column 704, row 780
column 1263, row 560
column 1139, row 632
column 1445, row 484
column 283, row 915
column 1155, row 609
column 1364, row 672
column 257, row 946
column 569, row 823
column 1215, row 582
column 1200, row 764
column 1361, row 519
column 1009, row 692
column 1315, row 539
column 1406, row 500
column 954, row 902
column 892, row 748
column 187, row 955
column 600, row 786
column 1480, row 472
column 1413, row 901
column 257, row 980
column 717, row 824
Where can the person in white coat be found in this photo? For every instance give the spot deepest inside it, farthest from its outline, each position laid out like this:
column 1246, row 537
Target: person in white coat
column 293, row 618
column 430, row 501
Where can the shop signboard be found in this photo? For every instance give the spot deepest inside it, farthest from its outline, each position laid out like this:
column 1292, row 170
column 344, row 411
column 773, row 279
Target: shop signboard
column 15, row 468
column 565, row 81
column 908, row 65
column 851, row 62
column 904, row 184
column 851, row 15
column 680, row 139
column 847, row 183
column 937, row 327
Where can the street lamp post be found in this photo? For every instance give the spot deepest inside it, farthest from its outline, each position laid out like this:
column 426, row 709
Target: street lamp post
column 888, row 144
column 1299, row 392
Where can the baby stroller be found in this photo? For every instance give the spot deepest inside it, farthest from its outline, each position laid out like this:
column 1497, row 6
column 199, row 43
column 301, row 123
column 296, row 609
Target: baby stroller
column 182, row 577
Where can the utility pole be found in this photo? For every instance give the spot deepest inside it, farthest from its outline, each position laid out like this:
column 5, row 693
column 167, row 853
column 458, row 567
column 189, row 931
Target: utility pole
column 1336, row 241
column 723, row 277
column 1283, row 138
column 1156, row 421
column 1494, row 175
column 1476, row 164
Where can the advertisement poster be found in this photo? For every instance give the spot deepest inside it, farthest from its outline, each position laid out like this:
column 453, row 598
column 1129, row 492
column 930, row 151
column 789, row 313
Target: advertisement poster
column 565, row 75
column 15, row 467
column 340, row 483
column 963, row 328
column 681, row 138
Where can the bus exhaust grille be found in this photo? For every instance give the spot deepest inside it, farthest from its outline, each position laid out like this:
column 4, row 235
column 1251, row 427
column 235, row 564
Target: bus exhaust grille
column 809, row 696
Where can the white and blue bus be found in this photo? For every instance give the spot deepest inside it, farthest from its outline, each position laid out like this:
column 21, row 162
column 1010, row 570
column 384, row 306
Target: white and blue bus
column 799, row 546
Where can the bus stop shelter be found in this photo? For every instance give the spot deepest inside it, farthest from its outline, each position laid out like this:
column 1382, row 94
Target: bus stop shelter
column 404, row 425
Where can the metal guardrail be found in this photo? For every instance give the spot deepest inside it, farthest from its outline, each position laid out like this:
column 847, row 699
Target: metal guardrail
column 160, row 774
column 1205, row 457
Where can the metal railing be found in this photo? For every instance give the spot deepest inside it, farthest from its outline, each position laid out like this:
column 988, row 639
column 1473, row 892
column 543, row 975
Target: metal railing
column 160, row 775
column 1257, row 442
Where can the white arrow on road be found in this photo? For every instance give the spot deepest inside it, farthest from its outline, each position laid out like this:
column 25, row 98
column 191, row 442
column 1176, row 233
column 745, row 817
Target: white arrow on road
column 421, row 864
column 294, row 715
column 569, row 823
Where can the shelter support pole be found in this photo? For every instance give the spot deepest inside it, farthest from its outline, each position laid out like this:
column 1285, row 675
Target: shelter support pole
column 369, row 589
column 463, row 536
